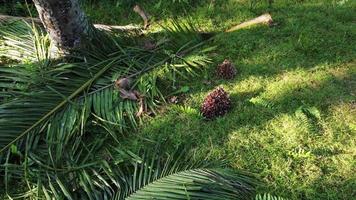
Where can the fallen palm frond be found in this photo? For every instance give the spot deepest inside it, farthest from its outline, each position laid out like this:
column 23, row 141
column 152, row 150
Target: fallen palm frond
column 51, row 110
column 268, row 197
column 118, row 174
column 180, row 177
column 24, row 43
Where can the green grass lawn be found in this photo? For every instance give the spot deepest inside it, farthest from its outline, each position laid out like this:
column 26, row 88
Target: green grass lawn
column 293, row 121
column 294, row 114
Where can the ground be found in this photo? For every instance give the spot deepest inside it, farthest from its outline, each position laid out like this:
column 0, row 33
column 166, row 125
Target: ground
column 293, row 121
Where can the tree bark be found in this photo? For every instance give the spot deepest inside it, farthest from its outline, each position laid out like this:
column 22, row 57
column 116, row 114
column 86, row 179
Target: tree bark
column 65, row 22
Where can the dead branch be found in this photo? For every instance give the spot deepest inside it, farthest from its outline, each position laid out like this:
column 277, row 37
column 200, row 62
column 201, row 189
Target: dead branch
column 263, row 19
column 115, row 28
column 144, row 16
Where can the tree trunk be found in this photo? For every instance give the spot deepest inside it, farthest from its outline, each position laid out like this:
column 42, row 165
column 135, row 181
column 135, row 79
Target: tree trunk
column 65, row 22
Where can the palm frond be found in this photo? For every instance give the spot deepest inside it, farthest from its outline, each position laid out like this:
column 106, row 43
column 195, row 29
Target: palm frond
column 198, row 184
column 121, row 174
column 267, row 196
column 24, row 42
column 54, row 109
column 32, row 110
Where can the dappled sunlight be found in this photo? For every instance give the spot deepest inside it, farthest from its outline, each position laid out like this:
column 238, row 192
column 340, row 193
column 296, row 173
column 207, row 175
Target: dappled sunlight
column 294, row 89
column 342, row 118
column 249, row 85
column 287, row 131
column 286, row 148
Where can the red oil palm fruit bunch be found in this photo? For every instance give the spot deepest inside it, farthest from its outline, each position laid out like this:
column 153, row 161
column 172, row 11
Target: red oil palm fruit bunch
column 226, row 70
column 216, row 104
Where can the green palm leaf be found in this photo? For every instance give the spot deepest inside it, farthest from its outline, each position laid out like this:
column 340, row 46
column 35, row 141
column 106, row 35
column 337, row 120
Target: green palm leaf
column 268, row 197
column 154, row 176
column 28, row 44
column 34, row 119
column 198, row 184
column 179, row 176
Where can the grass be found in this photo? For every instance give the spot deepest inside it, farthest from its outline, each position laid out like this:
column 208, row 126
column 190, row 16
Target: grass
column 294, row 113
